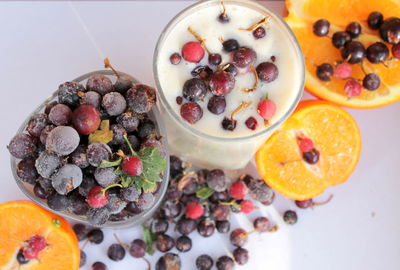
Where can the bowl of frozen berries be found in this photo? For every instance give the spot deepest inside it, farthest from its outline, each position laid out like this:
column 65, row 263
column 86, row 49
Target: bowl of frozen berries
column 95, row 151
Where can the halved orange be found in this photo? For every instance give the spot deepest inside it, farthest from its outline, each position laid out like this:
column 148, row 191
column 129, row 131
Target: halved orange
column 335, row 135
column 319, row 50
column 19, row 221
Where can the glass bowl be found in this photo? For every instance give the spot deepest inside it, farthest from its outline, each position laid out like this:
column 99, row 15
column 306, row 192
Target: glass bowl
column 27, row 189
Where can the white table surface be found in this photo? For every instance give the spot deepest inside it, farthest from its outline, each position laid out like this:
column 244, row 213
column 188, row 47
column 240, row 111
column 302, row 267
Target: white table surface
column 43, row 44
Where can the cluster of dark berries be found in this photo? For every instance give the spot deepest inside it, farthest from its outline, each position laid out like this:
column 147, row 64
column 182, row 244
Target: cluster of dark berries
column 354, row 52
column 204, row 200
column 212, row 82
column 83, row 153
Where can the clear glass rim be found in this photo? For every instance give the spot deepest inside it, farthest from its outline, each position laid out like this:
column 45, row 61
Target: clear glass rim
column 247, row 3
column 130, row 222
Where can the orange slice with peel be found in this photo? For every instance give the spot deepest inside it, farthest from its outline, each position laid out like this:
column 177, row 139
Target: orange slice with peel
column 335, row 135
column 19, row 221
column 319, row 50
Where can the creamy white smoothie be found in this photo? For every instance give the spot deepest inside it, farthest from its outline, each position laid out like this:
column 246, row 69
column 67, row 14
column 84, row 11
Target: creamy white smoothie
column 206, row 141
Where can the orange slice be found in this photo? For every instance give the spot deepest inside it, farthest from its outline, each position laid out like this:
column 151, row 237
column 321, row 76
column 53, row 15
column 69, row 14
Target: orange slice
column 335, row 135
column 318, row 50
column 19, row 221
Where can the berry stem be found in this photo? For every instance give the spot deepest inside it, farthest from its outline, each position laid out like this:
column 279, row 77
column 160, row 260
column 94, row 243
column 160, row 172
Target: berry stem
column 133, row 153
column 147, row 262
column 223, row 8
column 199, row 38
column 323, row 202
column 274, row 228
column 233, row 203
column 107, row 64
column 243, row 105
column 120, row 242
column 263, row 21
column 103, row 190
column 362, row 67
column 255, row 85
column 185, row 180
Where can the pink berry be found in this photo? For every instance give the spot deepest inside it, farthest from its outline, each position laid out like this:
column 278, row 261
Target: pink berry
column 132, row 166
column 192, row 52
column 238, row 190
column 306, row 145
column 175, row 58
column 97, row 198
column 343, row 71
column 396, row 50
column 37, row 242
column 266, row 108
column 29, row 253
column 246, row 206
column 352, row 88
column 194, row 210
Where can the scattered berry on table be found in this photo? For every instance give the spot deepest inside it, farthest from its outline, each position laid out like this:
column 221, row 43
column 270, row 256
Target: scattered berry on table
column 194, row 210
column 99, row 266
column 116, row 252
column 164, row 242
column 261, row 224
column 225, row 263
column 241, row 255
column 238, row 190
column 238, row 237
column 183, row 243
column 290, row 217
column 137, row 248
column 246, row 206
column 204, row 262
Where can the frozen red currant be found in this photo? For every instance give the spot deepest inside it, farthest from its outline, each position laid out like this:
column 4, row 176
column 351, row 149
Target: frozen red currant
column 352, row 88
column 191, row 112
column 238, row 190
column 97, row 198
column 343, row 71
column 194, row 210
column 251, row 123
column 306, row 145
column 132, row 166
column 266, row 108
column 192, row 52
column 246, row 206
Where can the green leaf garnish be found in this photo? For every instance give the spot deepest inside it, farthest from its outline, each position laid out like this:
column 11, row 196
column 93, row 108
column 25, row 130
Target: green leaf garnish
column 149, row 239
column 104, row 135
column 107, row 164
column 204, row 193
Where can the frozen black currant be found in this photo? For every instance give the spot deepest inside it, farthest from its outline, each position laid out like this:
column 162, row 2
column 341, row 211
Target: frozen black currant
column 92, row 98
column 159, row 226
column 26, row 170
column 141, row 98
column 216, row 180
column 164, row 242
column 118, row 134
column 204, row 262
column 171, row 209
column 353, row 52
column 371, row 81
column 230, row 45
column 137, row 248
column 290, row 217
column 79, row 157
column 186, row 226
column 129, row 120
column 194, row 89
column 390, row 30
column 116, row 252
column 58, row 202
column 354, row 29
column 114, row 103
column 67, row 178
column 228, row 123
column 223, row 226
column 241, row 255
column 321, row 27
column 81, row 231
column 267, row 71
column 99, row 266
column 98, row 216
column 96, row 236
column 62, row 140
column 375, row 20
column 115, row 204
column 36, row 124
column 83, row 257
column 220, row 212
column 97, row 152
column 244, row 56
column 324, row 72
column 123, row 84
column 68, row 93
column 22, row 146
column 183, row 243
column 225, row 263
column 60, row 115
column 214, row 59
column 130, row 194
column 46, row 164
column 377, row 52
column 339, row 39
column 100, row 84
column 169, row 261
column 146, row 128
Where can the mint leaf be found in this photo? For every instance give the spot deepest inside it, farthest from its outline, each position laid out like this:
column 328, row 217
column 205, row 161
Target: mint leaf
column 107, row 164
column 149, row 238
column 152, row 160
column 204, row 192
